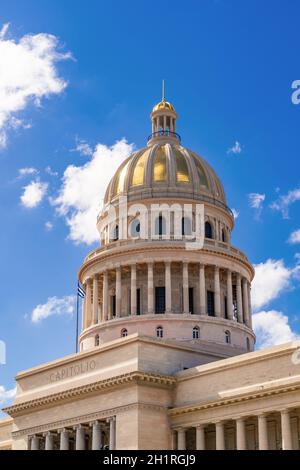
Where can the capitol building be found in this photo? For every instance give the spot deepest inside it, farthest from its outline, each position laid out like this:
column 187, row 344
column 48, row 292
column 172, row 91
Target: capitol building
column 167, row 354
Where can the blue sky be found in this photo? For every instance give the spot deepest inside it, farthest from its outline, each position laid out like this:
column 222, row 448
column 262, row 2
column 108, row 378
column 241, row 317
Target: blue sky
column 74, row 75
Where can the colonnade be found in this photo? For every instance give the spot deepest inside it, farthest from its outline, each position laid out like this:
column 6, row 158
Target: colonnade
column 179, row 435
column 237, row 293
column 96, row 435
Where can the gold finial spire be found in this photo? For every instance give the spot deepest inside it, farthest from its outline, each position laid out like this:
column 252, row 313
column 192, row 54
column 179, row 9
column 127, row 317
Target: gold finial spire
column 163, row 90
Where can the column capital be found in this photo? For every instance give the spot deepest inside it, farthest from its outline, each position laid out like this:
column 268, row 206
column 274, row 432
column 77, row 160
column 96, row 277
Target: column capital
column 88, row 280
column 61, row 430
column 96, row 276
column 111, row 418
column 201, row 426
column 216, row 268
column 49, row 433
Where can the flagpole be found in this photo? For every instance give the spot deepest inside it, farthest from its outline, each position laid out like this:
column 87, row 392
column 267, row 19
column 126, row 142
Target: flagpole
column 77, row 321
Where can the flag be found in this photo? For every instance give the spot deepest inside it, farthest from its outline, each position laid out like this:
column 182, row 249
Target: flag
column 80, row 291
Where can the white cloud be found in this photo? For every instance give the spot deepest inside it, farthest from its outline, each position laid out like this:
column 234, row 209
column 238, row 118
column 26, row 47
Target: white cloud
column 51, row 172
column 283, row 203
column 28, row 74
column 235, row 213
column 48, row 226
column 256, row 202
column 272, row 328
column 29, row 171
column 294, row 237
column 235, row 149
column 53, row 306
column 81, row 194
column 83, row 148
column 271, row 278
column 33, row 194
column 6, row 395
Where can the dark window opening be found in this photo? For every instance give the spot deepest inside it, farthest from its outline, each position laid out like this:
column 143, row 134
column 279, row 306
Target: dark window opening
column 160, row 300
column 138, row 301
column 210, row 303
column 208, row 230
column 225, row 307
column 191, row 300
column 113, row 305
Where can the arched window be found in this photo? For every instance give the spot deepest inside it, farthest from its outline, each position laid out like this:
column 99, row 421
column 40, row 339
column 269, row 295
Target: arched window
column 159, row 332
column 208, row 230
column 97, row 340
column 116, row 233
column 224, row 237
column 186, row 226
column 160, row 225
column 135, row 228
column 196, row 332
column 124, row 333
column 248, row 344
column 227, row 337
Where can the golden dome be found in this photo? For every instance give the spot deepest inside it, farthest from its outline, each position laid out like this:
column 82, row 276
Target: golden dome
column 163, row 105
column 166, row 169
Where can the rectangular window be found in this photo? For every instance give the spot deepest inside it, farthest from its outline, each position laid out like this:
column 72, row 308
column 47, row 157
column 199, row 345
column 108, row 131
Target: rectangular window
column 225, row 307
column 138, row 301
column 211, row 303
column 234, row 297
column 113, row 305
column 160, row 300
column 191, row 300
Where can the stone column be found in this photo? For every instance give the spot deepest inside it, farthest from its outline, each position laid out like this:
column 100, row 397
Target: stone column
column 35, row 443
column 112, row 432
column 49, row 441
column 118, row 292
column 105, row 296
column 220, row 436
column 96, row 435
column 173, row 440
column 286, row 431
column 181, row 443
column 95, row 299
column 202, row 290
column 245, row 301
column 263, row 432
column 249, row 305
column 64, row 440
column 185, row 284
column 241, row 434
column 80, row 437
column 168, row 282
column 239, row 298
column 133, row 290
column 200, row 437
column 88, row 303
column 217, row 292
column 84, row 308
column 150, row 288
column 229, row 295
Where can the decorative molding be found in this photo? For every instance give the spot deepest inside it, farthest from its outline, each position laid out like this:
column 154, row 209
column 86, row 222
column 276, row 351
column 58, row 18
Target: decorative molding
column 133, row 250
column 100, row 386
column 100, row 415
column 231, row 401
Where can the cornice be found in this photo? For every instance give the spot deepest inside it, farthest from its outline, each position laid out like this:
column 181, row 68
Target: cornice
column 119, row 251
column 86, row 418
column 77, row 393
column 232, row 401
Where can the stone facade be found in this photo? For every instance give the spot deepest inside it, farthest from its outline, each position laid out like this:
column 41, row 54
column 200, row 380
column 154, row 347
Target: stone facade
column 166, row 355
